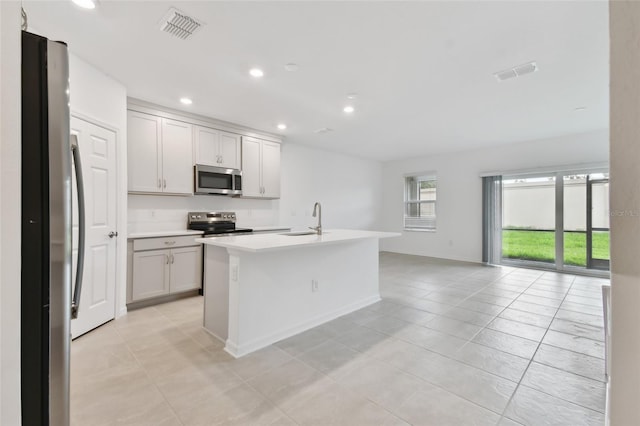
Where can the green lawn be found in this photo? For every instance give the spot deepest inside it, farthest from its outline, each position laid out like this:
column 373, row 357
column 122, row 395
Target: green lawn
column 540, row 246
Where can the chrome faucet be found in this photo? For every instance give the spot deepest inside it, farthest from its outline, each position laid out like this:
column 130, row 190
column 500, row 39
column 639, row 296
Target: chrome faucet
column 317, row 208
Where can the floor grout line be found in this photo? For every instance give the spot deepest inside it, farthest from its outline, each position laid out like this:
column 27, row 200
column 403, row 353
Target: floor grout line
column 531, row 361
column 479, row 285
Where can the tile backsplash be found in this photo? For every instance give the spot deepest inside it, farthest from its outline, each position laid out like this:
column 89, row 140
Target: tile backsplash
column 149, row 213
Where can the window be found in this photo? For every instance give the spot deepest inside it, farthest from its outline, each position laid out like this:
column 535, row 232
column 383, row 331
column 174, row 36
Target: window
column 420, row 202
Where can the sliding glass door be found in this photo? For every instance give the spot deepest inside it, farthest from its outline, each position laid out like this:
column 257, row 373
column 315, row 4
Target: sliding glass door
column 553, row 220
column 529, row 218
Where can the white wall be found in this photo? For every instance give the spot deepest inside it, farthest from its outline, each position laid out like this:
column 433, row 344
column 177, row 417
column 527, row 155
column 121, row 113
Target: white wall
column 10, row 145
column 346, row 186
column 459, row 207
column 625, row 207
column 98, row 98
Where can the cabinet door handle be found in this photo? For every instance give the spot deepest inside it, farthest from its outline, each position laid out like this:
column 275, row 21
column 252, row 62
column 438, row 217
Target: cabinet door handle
column 167, row 259
column 173, row 258
column 169, row 243
column 165, row 183
column 159, row 183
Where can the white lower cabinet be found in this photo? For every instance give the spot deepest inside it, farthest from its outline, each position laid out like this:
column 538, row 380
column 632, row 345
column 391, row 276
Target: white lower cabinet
column 150, row 274
column 186, row 269
column 158, row 271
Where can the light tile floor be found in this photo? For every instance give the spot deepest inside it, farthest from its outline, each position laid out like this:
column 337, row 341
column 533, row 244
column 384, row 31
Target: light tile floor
column 450, row 344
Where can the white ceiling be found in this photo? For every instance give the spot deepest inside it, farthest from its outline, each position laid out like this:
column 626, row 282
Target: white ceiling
column 423, row 70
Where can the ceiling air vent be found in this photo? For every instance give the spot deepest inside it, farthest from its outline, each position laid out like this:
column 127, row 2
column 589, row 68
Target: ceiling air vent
column 179, row 24
column 323, row 130
column 517, row 71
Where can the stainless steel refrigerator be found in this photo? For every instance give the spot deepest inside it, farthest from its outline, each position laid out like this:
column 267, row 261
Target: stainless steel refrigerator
column 46, row 232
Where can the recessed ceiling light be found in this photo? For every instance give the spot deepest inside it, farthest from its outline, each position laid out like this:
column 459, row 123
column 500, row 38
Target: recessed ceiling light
column 256, row 72
column 291, row 67
column 282, row 126
column 348, row 109
column 85, row 4
column 352, row 95
column 186, row 101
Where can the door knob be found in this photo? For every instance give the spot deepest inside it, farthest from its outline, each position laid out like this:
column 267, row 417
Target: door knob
column 113, row 234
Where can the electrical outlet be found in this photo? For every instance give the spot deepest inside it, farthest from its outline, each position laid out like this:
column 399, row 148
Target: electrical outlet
column 314, row 286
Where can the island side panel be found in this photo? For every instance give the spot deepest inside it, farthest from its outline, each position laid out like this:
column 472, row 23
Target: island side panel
column 273, row 298
column 216, row 291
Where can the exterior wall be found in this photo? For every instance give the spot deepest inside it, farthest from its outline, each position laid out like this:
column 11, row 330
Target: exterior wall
column 532, row 205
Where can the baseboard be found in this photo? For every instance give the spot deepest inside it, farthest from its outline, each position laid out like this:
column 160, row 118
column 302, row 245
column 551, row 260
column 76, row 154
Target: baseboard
column 213, row 334
column 161, row 299
column 237, row 351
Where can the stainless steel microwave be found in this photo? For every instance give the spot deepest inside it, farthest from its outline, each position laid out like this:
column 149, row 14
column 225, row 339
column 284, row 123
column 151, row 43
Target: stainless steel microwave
column 217, row 180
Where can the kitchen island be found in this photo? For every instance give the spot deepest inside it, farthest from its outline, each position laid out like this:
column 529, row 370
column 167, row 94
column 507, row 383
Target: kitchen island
column 259, row 289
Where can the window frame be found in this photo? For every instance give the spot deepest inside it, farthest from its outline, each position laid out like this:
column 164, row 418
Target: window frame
column 407, row 202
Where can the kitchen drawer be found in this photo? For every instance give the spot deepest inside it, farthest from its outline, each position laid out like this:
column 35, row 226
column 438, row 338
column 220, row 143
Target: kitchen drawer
column 164, row 242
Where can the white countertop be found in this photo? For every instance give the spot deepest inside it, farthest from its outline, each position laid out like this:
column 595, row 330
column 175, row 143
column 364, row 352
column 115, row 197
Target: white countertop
column 163, row 233
column 270, row 242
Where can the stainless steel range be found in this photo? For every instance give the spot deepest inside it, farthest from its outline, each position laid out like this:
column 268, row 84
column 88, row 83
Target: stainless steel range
column 215, row 224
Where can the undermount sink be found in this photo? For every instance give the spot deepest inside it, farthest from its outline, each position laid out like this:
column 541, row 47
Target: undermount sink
column 299, row 233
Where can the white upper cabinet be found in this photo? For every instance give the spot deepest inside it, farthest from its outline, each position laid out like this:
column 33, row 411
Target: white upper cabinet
column 144, row 159
column 206, row 142
column 260, row 168
column 230, row 151
column 159, row 154
column 251, row 168
column 177, row 152
column 270, row 169
column 217, row 148
column 163, row 147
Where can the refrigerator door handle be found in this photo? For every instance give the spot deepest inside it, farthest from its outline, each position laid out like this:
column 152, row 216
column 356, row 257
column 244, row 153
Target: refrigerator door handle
column 75, row 302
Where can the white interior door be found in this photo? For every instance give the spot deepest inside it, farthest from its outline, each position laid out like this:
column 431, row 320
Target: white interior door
column 97, row 147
